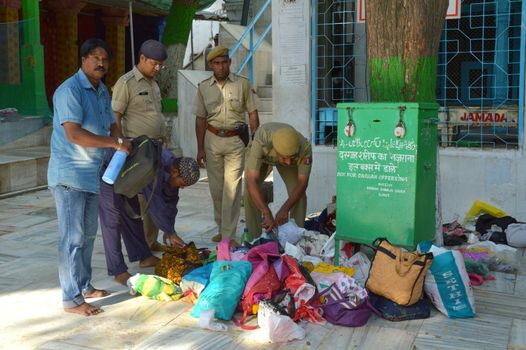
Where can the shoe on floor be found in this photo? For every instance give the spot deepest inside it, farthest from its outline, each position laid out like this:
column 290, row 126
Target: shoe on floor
column 157, row 247
column 217, row 238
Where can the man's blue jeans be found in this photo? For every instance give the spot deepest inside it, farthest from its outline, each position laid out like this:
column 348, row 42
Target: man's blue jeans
column 77, row 214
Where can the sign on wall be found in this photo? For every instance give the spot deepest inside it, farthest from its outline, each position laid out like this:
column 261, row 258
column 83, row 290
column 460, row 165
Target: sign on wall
column 453, row 10
column 292, row 43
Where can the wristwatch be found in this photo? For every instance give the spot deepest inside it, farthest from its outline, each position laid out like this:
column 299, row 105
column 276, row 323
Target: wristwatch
column 119, row 142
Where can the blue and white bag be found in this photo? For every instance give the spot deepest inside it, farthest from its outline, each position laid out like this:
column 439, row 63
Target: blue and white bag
column 447, row 282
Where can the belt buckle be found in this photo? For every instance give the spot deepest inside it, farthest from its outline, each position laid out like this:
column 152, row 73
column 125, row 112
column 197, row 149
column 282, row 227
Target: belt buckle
column 221, row 132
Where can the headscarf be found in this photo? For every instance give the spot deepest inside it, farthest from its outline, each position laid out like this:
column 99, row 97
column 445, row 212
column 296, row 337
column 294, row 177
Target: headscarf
column 188, row 170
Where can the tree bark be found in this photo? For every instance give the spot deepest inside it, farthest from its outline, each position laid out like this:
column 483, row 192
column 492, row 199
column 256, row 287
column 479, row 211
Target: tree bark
column 402, row 39
column 175, row 38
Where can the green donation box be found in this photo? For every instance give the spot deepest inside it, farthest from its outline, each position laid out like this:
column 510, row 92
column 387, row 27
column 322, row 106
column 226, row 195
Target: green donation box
column 386, row 172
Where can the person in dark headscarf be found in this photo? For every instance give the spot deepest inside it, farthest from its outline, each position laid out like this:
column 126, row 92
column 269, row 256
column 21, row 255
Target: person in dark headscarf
column 120, row 217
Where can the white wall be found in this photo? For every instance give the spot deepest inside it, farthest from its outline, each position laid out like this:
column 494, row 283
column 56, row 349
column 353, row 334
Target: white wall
column 203, row 32
column 291, row 96
column 183, row 132
column 497, row 177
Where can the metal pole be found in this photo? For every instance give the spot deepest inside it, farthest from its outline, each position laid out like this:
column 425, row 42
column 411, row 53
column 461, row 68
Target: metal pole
column 131, row 32
column 251, row 61
column 192, row 44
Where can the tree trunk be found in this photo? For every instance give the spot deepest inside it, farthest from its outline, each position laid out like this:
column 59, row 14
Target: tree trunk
column 402, row 46
column 175, row 38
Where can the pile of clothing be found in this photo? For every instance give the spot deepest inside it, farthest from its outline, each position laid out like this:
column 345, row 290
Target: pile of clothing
column 275, row 285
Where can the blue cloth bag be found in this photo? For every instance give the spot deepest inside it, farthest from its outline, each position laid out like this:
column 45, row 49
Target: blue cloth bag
column 393, row 312
column 227, row 282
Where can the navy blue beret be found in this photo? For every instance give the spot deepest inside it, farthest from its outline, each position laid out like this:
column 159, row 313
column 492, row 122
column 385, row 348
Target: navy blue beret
column 153, row 49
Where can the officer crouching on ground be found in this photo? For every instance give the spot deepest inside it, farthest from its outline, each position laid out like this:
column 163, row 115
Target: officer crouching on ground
column 280, row 145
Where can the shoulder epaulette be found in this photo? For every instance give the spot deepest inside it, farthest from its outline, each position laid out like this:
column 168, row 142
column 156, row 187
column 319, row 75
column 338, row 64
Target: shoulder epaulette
column 127, row 76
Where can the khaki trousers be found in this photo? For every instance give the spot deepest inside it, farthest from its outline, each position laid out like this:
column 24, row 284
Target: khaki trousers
column 151, row 232
column 289, row 174
column 225, row 160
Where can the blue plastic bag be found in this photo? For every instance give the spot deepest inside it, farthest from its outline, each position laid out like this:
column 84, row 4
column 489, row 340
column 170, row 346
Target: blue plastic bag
column 197, row 279
column 227, row 282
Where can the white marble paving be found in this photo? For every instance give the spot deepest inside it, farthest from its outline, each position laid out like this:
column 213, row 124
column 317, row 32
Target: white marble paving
column 32, row 317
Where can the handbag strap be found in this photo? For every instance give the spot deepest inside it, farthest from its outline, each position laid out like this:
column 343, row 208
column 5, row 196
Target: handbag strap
column 366, row 303
column 130, row 211
column 241, row 323
column 403, row 263
column 378, row 241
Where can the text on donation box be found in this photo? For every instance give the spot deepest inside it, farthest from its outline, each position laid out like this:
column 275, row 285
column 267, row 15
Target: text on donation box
column 384, row 166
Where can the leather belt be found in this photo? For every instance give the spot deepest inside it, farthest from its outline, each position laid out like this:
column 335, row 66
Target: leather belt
column 221, row 132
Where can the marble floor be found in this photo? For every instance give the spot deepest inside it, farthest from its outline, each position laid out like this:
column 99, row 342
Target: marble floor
column 32, row 317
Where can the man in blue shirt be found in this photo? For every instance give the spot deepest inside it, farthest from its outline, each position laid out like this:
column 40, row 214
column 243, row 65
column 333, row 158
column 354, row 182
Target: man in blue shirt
column 83, row 125
column 116, row 220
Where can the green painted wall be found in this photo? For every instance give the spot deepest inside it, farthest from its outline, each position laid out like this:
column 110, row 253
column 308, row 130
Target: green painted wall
column 29, row 97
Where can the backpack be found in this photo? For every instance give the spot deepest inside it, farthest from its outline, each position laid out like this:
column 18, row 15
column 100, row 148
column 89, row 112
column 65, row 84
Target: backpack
column 141, row 167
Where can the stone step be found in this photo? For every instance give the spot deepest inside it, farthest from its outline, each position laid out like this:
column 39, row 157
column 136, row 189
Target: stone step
column 23, row 168
column 265, row 117
column 16, row 127
column 264, row 91
column 265, row 104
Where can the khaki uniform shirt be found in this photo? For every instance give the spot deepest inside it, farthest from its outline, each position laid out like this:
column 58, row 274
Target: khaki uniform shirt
column 261, row 151
column 138, row 99
column 224, row 106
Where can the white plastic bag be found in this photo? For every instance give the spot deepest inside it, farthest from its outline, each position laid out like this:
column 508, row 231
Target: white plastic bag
column 327, row 251
column 361, row 264
column 501, row 253
column 447, row 283
column 345, row 284
column 290, row 232
column 295, row 252
column 275, row 327
column 314, row 260
column 312, row 243
column 208, row 321
column 516, row 235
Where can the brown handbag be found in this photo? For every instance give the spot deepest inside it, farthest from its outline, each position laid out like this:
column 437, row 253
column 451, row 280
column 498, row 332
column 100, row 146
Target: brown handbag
column 398, row 275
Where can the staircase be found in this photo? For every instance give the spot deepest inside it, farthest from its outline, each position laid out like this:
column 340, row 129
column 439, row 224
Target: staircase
column 265, row 106
column 23, row 163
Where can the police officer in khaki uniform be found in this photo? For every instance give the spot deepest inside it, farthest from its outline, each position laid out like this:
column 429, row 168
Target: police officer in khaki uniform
column 220, row 106
column 136, row 102
column 280, row 145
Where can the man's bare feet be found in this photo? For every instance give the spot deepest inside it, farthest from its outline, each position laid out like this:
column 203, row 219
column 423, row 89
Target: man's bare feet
column 97, row 293
column 84, row 309
column 149, row 261
column 122, row 278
